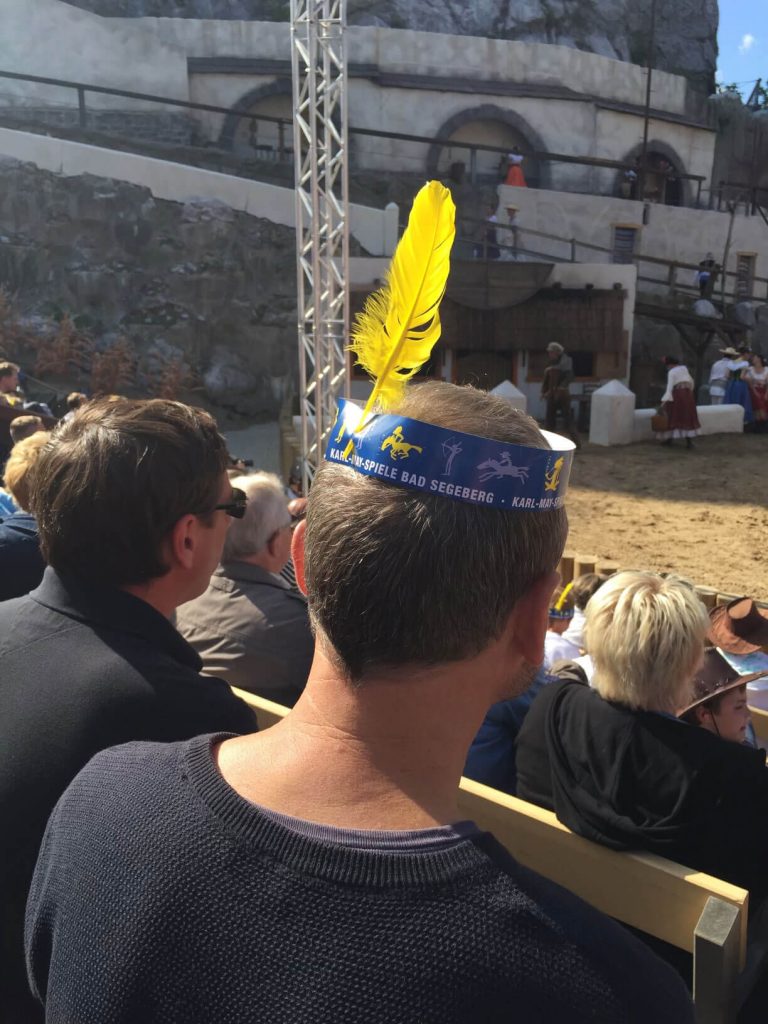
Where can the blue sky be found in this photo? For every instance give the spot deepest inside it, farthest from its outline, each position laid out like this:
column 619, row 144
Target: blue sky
column 743, row 39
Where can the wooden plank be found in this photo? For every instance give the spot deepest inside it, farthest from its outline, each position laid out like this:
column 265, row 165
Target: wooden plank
column 583, row 564
column 655, row 895
column 566, row 568
column 607, row 568
column 716, row 963
column 267, row 712
column 726, row 598
column 708, row 596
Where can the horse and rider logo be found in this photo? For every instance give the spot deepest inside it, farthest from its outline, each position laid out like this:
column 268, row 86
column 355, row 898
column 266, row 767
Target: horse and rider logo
column 497, row 469
column 399, row 447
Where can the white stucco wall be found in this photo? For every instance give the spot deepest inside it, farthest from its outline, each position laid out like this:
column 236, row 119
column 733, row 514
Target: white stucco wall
column 672, row 233
column 54, row 40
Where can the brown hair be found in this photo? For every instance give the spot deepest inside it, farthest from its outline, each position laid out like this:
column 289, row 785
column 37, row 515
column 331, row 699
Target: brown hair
column 585, row 587
column 397, row 576
column 22, row 459
column 25, row 426
column 116, row 478
column 8, row 369
column 75, row 399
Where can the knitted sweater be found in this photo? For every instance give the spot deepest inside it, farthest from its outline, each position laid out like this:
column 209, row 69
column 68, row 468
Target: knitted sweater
column 161, row 895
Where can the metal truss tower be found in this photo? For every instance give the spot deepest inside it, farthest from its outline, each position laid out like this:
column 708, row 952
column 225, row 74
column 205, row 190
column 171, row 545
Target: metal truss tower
column 322, row 216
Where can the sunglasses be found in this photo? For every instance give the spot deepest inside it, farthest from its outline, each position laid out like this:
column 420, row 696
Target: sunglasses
column 237, row 506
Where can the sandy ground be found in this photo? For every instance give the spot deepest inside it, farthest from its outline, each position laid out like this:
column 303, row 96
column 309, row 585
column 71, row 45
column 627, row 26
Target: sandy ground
column 703, row 514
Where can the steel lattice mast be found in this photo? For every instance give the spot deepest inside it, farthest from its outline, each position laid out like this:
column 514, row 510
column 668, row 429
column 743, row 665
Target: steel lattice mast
column 322, row 216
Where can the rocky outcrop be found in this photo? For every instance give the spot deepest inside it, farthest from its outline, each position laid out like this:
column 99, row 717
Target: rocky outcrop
column 193, row 285
column 686, row 37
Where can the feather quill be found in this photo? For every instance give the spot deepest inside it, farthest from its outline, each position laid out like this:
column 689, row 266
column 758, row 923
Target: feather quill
column 394, row 335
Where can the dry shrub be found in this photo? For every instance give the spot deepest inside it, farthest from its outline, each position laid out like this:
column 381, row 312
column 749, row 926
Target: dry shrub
column 66, row 352
column 114, row 369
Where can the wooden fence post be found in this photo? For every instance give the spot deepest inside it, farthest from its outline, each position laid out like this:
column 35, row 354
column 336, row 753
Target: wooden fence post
column 566, row 569
column 583, row 564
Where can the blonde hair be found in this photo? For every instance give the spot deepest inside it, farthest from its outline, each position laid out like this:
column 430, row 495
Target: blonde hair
column 645, row 634
column 23, row 457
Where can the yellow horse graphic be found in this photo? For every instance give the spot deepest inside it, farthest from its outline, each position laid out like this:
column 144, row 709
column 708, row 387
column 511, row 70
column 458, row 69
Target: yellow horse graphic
column 400, row 448
column 553, row 478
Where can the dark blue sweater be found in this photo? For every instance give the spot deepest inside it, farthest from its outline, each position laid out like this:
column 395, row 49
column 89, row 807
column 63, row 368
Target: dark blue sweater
column 161, row 895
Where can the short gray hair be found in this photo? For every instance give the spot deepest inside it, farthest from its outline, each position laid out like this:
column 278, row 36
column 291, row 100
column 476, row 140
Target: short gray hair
column 645, row 634
column 398, row 577
column 267, row 512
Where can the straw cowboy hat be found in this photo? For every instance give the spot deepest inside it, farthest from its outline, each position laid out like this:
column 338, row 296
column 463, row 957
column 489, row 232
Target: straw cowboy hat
column 730, row 351
column 716, row 676
column 739, row 627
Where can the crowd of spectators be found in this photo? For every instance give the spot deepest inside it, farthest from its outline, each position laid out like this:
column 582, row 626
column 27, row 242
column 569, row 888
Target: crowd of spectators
column 190, row 868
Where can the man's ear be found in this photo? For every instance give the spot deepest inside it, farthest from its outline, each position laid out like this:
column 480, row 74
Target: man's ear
column 530, row 617
column 181, row 543
column 297, row 554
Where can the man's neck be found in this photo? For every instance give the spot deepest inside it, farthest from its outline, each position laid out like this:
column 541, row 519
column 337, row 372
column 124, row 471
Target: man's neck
column 387, row 754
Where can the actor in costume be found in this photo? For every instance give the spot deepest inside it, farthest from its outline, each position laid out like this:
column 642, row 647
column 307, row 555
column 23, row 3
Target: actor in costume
column 756, row 377
column 679, row 405
column 515, row 174
column 737, row 390
column 556, row 389
column 719, row 375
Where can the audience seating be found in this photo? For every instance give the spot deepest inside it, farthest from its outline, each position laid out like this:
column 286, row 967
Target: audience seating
column 694, row 912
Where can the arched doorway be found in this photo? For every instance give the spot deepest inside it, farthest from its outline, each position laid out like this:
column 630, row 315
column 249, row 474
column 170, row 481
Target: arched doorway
column 487, row 125
column 266, row 140
column 663, row 183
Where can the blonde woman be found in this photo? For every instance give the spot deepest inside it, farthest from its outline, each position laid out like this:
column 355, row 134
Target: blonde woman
column 617, row 766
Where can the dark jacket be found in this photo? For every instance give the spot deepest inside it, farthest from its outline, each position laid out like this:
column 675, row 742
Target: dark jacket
column 81, row 669
column 642, row 780
column 21, row 564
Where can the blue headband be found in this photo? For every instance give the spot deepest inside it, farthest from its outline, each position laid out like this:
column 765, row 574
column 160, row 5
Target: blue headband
column 465, row 467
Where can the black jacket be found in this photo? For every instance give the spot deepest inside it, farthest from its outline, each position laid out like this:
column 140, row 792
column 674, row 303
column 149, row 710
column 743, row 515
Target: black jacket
column 82, row 669
column 646, row 781
column 21, row 564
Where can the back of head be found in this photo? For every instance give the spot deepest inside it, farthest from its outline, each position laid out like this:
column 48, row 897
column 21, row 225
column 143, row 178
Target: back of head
column 645, row 634
column 76, row 399
column 267, row 512
column 21, row 461
column 116, row 478
column 397, row 577
column 25, row 426
column 585, row 587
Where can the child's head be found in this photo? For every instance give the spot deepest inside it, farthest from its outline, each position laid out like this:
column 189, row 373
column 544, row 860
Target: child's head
column 561, row 609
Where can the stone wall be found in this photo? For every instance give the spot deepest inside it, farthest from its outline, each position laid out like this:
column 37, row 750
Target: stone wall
column 195, row 281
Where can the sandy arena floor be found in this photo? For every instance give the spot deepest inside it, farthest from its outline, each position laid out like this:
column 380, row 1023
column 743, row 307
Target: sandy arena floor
column 703, row 514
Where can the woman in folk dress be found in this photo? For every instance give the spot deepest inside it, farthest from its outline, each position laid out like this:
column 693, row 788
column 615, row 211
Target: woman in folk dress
column 737, row 390
column 515, row 174
column 757, row 382
column 679, row 405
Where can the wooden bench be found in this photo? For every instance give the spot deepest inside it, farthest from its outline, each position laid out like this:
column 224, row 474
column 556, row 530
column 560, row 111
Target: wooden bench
column 692, row 911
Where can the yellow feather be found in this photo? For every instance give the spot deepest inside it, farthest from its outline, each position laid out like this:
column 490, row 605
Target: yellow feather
column 394, row 335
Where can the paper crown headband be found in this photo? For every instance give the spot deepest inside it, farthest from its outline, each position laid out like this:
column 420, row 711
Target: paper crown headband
column 449, row 463
column 392, row 339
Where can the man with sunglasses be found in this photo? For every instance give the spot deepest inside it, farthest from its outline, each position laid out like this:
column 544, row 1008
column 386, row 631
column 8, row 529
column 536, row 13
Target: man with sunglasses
column 133, row 504
column 249, row 626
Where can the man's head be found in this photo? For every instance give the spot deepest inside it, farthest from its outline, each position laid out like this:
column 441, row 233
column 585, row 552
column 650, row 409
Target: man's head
column 9, row 378
column 585, row 587
column 75, row 399
column 20, row 463
column 554, row 351
column 126, row 492
column 645, row 634
column 25, row 426
column 398, row 577
column 263, row 535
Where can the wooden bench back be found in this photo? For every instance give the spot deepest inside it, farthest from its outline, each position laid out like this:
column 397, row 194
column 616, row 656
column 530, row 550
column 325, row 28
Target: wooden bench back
column 657, row 896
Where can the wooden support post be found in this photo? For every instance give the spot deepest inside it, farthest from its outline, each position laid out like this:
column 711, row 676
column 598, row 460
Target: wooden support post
column 583, row 564
column 566, row 569
column 81, row 109
column 716, row 962
column 607, row 568
column 708, row 596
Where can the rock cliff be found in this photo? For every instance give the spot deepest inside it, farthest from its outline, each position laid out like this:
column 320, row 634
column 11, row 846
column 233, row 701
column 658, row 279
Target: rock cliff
column 686, row 31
